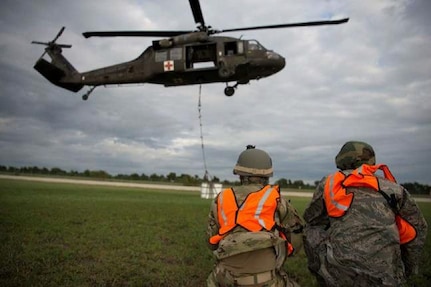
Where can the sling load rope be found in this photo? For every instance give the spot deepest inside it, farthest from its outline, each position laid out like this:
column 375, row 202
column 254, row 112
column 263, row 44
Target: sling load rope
column 206, row 175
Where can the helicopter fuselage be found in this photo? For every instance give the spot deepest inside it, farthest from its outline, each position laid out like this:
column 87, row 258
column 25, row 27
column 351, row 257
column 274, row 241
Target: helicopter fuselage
column 218, row 59
column 184, row 57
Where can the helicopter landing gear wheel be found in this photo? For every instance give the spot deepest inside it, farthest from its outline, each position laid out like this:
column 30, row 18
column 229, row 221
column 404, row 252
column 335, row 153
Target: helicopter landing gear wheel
column 229, row 91
column 87, row 94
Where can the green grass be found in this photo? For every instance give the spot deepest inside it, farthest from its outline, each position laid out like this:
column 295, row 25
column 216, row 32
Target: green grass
column 77, row 235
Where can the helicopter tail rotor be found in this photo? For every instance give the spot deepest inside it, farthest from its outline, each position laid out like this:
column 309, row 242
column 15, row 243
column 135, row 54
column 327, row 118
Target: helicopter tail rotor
column 51, row 45
column 59, row 71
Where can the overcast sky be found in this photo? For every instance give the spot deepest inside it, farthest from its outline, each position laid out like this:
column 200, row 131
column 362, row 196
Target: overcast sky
column 369, row 80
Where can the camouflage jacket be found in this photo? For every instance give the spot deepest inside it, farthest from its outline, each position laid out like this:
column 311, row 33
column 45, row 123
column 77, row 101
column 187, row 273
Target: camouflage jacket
column 240, row 240
column 362, row 247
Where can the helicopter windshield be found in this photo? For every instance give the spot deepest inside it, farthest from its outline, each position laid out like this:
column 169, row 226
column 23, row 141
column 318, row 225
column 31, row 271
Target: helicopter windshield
column 255, row 45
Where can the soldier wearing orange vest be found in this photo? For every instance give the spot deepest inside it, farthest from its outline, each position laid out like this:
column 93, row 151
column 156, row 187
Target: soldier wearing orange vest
column 250, row 227
column 363, row 229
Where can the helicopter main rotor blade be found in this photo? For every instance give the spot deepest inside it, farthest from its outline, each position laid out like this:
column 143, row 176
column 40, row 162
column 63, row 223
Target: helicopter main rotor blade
column 303, row 24
column 197, row 12
column 198, row 16
column 64, row 45
column 134, row 33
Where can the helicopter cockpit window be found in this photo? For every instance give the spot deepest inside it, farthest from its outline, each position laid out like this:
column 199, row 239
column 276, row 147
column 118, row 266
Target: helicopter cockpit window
column 161, row 56
column 254, row 45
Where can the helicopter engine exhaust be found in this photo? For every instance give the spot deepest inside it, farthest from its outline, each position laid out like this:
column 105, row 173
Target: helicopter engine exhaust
column 181, row 40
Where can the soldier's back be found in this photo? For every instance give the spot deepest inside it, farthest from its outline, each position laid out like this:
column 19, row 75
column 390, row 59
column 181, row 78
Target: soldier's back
column 363, row 245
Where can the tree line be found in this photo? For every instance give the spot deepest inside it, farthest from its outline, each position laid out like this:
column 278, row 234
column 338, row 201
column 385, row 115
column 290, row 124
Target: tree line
column 172, row 177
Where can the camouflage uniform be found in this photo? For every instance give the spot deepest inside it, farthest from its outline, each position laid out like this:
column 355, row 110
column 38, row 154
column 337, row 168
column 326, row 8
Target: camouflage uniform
column 362, row 248
column 244, row 258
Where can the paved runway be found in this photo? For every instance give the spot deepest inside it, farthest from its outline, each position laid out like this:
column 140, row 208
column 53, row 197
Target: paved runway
column 151, row 186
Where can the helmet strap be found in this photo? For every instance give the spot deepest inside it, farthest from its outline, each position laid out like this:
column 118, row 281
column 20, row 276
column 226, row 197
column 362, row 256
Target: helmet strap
column 253, row 180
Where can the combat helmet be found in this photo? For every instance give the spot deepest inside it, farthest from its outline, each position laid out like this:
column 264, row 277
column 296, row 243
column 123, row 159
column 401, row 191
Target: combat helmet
column 253, row 162
column 353, row 154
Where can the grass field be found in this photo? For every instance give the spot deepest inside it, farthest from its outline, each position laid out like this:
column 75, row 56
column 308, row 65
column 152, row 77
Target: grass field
column 77, row 235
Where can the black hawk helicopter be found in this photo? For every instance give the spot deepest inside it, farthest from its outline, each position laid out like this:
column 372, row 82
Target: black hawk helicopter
column 182, row 58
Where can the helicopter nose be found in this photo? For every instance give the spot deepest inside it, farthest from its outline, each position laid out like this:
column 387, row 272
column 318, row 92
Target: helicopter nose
column 277, row 61
column 266, row 65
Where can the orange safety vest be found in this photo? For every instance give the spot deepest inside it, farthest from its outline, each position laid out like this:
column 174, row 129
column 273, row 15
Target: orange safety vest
column 337, row 201
column 256, row 212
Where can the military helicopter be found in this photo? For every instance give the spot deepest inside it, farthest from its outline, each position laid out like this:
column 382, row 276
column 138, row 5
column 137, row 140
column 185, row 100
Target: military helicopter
column 181, row 58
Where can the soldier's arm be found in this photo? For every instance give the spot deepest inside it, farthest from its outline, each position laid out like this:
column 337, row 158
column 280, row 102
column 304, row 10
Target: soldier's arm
column 317, row 222
column 411, row 251
column 315, row 214
column 289, row 217
column 212, row 227
column 291, row 224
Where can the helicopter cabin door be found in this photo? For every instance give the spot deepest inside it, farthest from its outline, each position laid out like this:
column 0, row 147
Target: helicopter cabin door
column 201, row 56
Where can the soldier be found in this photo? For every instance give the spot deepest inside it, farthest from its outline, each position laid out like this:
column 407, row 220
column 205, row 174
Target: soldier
column 250, row 226
column 362, row 229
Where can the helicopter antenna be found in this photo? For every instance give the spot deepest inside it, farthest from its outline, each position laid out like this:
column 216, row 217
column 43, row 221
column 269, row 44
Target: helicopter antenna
column 207, row 176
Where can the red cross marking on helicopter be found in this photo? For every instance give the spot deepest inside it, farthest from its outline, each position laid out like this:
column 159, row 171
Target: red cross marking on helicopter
column 168, row 66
